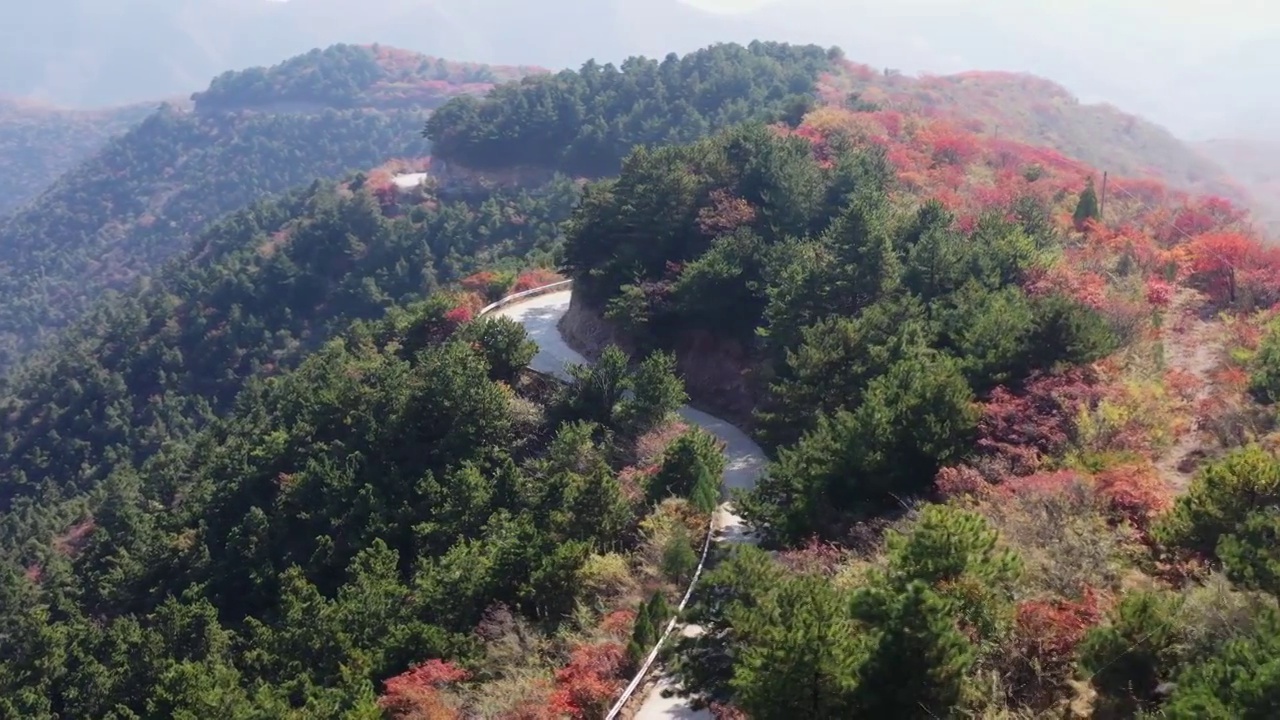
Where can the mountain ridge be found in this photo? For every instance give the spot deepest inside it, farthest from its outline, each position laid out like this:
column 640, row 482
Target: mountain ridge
column 132, row 206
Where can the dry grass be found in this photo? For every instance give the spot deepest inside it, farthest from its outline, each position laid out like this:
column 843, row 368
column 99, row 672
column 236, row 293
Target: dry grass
column 1064, row 540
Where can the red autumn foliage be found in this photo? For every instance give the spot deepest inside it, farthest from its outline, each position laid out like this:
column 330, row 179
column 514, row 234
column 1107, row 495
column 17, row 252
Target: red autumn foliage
column 487, row 284
column 725, row 214
column 952, row 483
column 1232, row 267
column 1086, row 287
column 535, row 278
column 587, row 686
column 1247, row 332
column 726, row 712
column 1046, row 635
column 1042, row 483
column 1159, row 293
column 633, row 481
column 619, row 623
column 415, row 694
column 1231, row 378
column 1182, row 384
column 815, row 557
column 1135, row 493
column 1020, row 430
column 952, row 146
column 459, row 315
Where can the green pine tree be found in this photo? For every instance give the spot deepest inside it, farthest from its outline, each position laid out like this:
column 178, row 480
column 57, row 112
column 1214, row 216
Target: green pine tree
column 643, row 634
column 1087, row 207
column 659, row 614
column 706, row 490
column 678, row 558
column 920, row 661
column 798, row 653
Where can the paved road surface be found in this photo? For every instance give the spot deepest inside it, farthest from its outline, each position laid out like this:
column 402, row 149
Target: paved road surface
column 745, row 461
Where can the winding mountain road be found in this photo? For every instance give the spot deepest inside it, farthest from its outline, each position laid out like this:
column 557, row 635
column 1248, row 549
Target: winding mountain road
column 540, row 315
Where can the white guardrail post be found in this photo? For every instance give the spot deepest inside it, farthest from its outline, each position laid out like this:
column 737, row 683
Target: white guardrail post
column 706, row 543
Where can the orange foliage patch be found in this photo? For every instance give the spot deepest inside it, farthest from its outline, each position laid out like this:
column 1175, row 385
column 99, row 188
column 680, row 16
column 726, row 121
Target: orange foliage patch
column 587, row 686
column 535, row 278
column 1135, row 493
column 1042, row 483
column 1229, row 265
column 1045, row 637
column 415, row 694
column 619, row 623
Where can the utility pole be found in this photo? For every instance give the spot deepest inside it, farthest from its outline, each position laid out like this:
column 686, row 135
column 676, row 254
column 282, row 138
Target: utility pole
column 1102, row 204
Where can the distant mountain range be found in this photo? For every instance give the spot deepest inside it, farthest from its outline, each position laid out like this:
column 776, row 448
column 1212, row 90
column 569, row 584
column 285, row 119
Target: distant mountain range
column 137, row 201
column 39, row 143
column 93, row 53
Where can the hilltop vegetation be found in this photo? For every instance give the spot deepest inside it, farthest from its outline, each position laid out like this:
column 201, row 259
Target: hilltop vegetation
column 1022, row 439
column 346, row 76
column 38, row 144
column 1037, row 111
column 944, row 343
column 256, row 293
column 401, row 496
column 405, row 495
column 139, row 201
column 584, row 123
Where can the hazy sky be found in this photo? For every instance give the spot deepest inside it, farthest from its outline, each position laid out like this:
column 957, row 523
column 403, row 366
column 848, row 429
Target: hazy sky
column 1195, row 65
column 1205, row 23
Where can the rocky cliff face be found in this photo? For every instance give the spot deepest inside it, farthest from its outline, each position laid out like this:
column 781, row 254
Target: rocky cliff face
column 719, row 376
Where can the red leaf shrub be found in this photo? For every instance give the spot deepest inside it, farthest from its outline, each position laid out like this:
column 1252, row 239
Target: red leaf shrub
column 1020, row 430
column 619, row 623
column 1044, row 483
column 1135, row 493
column 1045, row 637
column 953, row 483
column 1083, row 286
column 415, row 693
column 1232, row 267
column 487, row 284
column 1159, row 293
column 587, row 686
column 535, row 278
column 459, row 315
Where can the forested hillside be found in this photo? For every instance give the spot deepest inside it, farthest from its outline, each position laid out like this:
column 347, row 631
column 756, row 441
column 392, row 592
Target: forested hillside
column 139, row 200
column 255, row 294
column 347, row 76
column 1035, row 110
column 1022, row 434
column 39, row 143
column 1015, row 466
column 585, row 122
column 192, row 528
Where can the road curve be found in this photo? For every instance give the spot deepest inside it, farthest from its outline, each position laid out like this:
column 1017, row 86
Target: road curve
column 540, row 315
